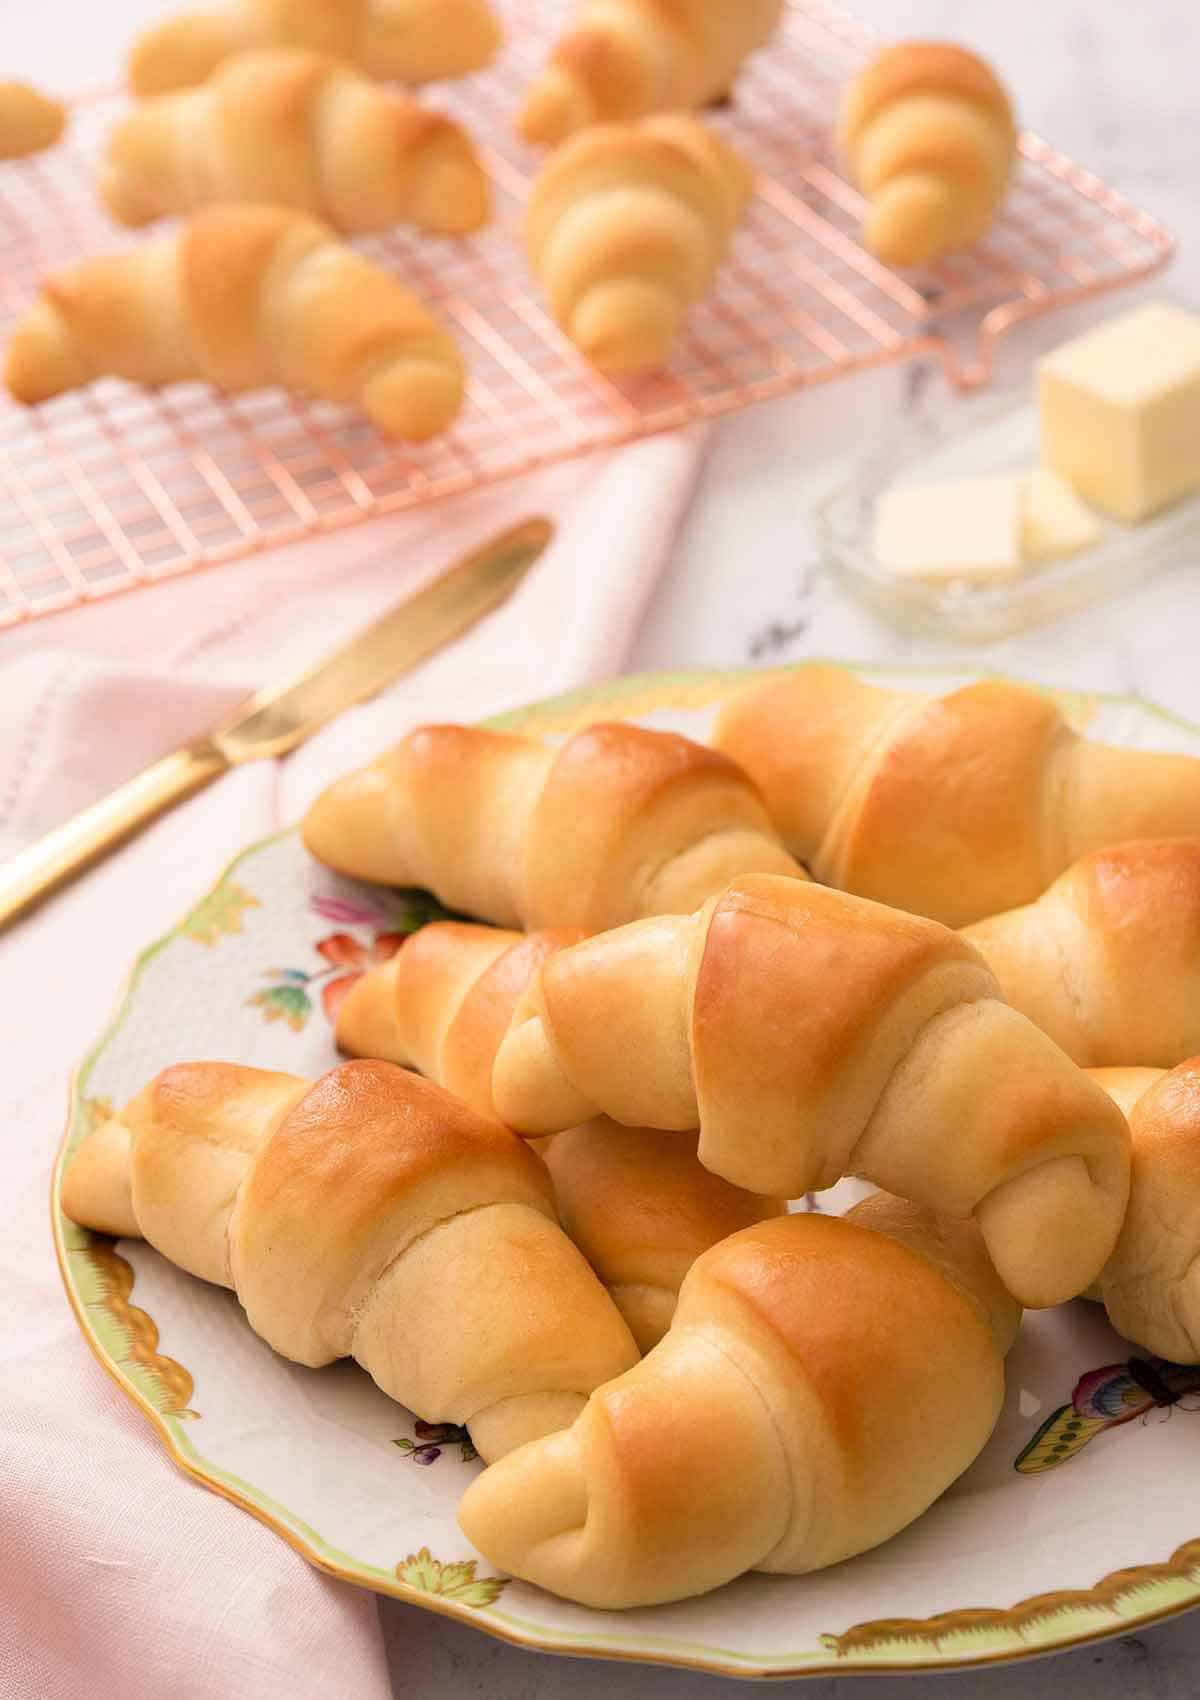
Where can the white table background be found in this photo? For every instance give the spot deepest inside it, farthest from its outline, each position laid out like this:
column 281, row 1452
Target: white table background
column 1114, row 85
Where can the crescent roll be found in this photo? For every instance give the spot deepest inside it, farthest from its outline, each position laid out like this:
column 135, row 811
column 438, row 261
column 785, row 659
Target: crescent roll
column 30, row 121
column 369, row 1215
column 289, row 128
column 244, row 296
column 810, row 1035
column 404, row 41
column 855, row 1366
column 615, row 823
column 626, row 226
column 624, row 58
column 1150, row 1286
column 953, row 806
column 928, row 132
column 1107, row 961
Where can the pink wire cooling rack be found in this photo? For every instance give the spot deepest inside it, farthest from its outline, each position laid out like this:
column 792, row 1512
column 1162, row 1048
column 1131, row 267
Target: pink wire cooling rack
column 116, row 486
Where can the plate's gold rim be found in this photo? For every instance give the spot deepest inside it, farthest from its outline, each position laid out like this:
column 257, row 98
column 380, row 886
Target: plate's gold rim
column 560, row 710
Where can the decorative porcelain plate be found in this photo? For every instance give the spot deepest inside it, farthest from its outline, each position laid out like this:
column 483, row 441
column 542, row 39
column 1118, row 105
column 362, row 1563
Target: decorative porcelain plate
column 1081, row 1518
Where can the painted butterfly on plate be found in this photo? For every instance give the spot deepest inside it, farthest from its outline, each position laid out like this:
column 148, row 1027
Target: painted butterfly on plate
column 1104, row 1398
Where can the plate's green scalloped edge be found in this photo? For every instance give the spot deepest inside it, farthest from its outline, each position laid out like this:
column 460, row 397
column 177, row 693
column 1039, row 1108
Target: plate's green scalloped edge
column 953, row 1640
column 115, row 1339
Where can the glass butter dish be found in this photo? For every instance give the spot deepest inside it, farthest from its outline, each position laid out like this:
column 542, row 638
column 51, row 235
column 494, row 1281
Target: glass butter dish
column 974, row 438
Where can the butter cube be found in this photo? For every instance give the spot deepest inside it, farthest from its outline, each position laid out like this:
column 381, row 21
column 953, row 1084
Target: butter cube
column 961, row 528
column 1054, row 522
column 1120, row 410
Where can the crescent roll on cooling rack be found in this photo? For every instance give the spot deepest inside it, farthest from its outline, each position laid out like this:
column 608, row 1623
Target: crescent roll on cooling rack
column 369, row 1215
column 623, row 58
column 404, row 41
column 294, row 129
column 809, row 1035
column 30, row 121
column 244, row 296
column 1107, row 961
column 860, row 1363
column 636, row 1201
column 928, row 132
column 1150, row 1286
column 616, row 823
column 956, row 806
column 626, row 226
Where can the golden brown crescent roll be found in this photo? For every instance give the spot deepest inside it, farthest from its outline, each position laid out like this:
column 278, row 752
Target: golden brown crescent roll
column 405, row 41
column 244, row 296
column 637, row 1202
column 626, row 226
column 955, row 807
column 829, row 1352
column 1150, row 1285
column 1107, row 961
column 295, row 129
column 928, row 132
column 642, row 1208
column 615, row 823
column 443, row 1003
column 367, row 1215
column 624, row 58
column 29, row 120
column 811, row 1035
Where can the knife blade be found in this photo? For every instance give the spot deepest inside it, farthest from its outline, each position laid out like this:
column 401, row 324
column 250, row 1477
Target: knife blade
column 279, row 717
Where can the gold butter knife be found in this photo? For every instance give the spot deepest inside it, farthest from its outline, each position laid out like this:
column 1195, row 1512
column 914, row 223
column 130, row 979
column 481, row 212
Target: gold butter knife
column 276, row 719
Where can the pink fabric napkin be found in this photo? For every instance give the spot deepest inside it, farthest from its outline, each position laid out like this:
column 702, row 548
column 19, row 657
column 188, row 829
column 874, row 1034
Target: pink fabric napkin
column 121, row 1576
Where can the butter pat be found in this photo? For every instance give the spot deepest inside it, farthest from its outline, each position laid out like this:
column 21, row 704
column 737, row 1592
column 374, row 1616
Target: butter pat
column 964, row 528
column 1120, row 410
column 1054, row 522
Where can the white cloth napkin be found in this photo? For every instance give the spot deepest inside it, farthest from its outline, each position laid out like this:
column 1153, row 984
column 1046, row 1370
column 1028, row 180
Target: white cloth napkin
column 122, row 1577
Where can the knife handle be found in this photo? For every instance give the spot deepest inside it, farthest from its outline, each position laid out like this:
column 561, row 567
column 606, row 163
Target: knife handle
column 35, row 872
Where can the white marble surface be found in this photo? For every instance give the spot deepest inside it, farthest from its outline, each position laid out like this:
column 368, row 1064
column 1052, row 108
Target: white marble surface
column 1115, row 86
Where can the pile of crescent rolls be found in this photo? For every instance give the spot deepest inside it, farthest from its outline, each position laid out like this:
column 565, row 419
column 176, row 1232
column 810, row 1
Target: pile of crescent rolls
column 276, row 129
column 945, row 944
